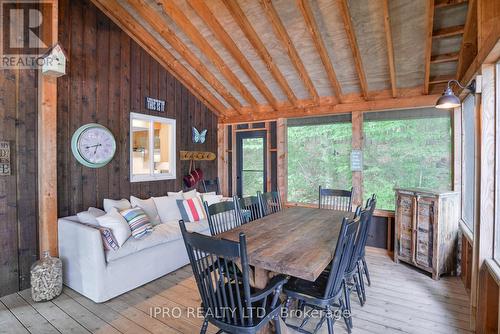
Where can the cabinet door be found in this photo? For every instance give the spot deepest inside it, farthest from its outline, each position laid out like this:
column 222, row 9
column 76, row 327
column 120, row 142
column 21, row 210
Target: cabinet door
column 425, row 232
column 405, row 224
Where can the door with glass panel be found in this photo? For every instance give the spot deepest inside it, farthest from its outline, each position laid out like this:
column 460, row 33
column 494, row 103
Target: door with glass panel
column 251, row 172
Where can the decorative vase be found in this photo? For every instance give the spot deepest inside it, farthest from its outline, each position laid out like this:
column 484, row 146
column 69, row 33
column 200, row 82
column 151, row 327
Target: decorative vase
column 46, row 278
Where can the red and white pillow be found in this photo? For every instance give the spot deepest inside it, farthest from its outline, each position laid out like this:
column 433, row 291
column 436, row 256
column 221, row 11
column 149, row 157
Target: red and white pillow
column 191, row 209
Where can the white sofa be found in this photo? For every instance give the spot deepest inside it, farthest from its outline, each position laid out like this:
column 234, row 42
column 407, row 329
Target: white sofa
column 101, row 275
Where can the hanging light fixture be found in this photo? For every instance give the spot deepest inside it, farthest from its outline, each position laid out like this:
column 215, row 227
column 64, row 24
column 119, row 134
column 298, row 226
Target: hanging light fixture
column 449, row 100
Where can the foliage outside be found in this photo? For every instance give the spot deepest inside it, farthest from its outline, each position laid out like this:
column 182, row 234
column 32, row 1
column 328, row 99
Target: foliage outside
column 397, row 153
column 253, row 166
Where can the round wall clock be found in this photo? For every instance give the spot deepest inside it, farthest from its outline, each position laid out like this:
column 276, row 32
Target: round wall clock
column 93, row 145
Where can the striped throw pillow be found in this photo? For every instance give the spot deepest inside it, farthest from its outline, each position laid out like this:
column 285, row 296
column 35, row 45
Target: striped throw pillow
column 138, row 221
column 108, row 239
column 191, row 209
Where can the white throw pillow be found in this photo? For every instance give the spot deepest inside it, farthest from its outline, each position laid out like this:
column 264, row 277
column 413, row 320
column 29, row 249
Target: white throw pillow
column 191, row 194
column 121, row 205
column 117, row 224
column 211, row 198
column 167, row 208
column 148, row 206
column 176, row 195
column 89, row 216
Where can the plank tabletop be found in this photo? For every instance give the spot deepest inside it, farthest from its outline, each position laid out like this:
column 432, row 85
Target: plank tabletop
column 296, row 241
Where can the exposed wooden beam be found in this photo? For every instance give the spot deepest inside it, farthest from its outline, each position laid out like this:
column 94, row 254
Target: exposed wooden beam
column 320, row 46
column 192, row 33
column 444, row 58
column 156, row 21
column 468, row 49
column 448, row 3
column 340, row 108
column 351, row 37
column 142, row 37
column 448, row 32
column 441, row 79
column 260, row 48
column 203, row 11
column 284, row 38
column 428, row 44
column 390, row 47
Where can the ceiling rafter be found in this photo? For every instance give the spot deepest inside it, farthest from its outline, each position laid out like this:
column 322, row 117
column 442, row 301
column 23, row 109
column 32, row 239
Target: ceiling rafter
column 209, row 19
column 284, row 38
column 142, row 37
column 468, row 48
column 444, row 58
column 155, row 20
column 320, row 46
column 428, row 44
column 448, row 32
column 351, row 36
column 192, row 32
column 245, row 26
column 448, row 3
column 390, row 48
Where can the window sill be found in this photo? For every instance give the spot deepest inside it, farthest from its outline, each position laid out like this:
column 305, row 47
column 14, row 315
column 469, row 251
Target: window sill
column 377, row 213
column 494, row 270
column 466, row 232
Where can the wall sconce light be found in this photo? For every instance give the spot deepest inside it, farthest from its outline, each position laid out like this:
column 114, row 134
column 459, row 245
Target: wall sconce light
column 449, row 100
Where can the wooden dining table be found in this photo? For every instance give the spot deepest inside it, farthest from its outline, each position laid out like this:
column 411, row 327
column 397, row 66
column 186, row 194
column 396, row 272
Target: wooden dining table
column 296, row 241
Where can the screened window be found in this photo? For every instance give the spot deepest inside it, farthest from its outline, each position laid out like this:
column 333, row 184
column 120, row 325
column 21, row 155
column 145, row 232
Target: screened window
column 407, row 148
column 152, row 148
column 468, row 161
column 318, row 154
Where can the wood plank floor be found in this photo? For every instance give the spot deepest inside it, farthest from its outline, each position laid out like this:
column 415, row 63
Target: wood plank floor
column 400, row 300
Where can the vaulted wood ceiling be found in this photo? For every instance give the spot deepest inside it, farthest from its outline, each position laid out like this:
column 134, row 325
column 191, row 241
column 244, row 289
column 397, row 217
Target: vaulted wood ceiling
column 258, row 59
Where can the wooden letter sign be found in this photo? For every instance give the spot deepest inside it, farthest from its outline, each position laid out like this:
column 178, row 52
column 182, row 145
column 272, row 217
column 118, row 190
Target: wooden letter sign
column 154, row 104
column 4, row 158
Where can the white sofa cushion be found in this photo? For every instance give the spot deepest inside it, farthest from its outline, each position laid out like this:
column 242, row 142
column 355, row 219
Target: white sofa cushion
column 149, row 207
column 121, row 204
column 117, row 224
column 178, row 195
column 161, row 234
column 167, row 208
column 211, row 198
column 89, row 216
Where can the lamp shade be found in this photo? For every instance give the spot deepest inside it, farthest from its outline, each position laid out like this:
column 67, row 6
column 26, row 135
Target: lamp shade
column 448, row 100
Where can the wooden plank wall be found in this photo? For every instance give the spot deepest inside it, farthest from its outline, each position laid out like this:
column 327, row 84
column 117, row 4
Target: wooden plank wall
column 109, row 76
column 18, row 192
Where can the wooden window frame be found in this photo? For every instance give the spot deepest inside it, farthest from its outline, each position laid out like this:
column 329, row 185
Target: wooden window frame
column 172, row 175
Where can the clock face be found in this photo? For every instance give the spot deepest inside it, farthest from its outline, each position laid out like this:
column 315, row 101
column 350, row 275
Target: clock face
column 93, row 145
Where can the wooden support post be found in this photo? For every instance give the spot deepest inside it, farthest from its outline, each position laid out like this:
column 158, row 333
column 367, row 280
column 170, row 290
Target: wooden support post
column 484, row 226
column 357, row 144
column 222, row 158
column 47, row 154
column 47, row 163
column 282, row 142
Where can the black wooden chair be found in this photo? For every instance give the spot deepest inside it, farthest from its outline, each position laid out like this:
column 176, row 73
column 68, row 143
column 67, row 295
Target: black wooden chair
column 326, row 293
column 223, row 216
column 270, row 202
column 334, row 199
column 353, row 279
column 228, row 301
column 250, row 208
column 211, row 185
column 371, row 203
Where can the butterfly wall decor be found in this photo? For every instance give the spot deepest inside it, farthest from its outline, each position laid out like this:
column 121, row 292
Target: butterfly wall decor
column 199, row 137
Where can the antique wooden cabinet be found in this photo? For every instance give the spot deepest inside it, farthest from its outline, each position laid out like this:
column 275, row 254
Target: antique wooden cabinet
column 426, row 229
